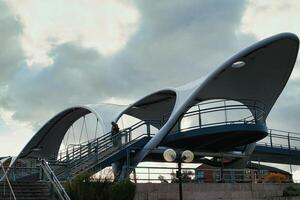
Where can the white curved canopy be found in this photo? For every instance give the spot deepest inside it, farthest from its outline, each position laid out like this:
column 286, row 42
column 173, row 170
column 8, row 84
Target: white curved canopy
column 156, row 106
column 47, row 140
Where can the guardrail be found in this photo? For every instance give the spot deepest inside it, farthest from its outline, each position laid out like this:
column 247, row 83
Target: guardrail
column 168, row 175
column 54, row 181
column 255, row 114
column 86, row 155
column 106, row 141
column 16, row 173
column 231, row 112
column 12, row 193
column 281, row 139
column 252, row 113
column 221, row 112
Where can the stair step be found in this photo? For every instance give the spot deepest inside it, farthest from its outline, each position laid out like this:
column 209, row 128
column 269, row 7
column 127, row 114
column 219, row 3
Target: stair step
column 26, row 190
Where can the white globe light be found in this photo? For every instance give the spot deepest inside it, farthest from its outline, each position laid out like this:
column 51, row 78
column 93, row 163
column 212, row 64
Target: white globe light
column 169, row 155
column 187, row 156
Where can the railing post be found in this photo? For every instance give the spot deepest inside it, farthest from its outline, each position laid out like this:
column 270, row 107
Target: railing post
column 271, row 143
column 179, row 124
column 148, row 129
column 126, row 136
column 14, row 173
column 255, row 113
column 67, row 155
column 289, row 142
column 225, row 110
column 41, row 173
column 52, row 193
column 80, row 151
column 199, row 120
column 89, row 149
column 7, row 180
column 73, row 152
column 130, row 133
column 97, row 144
column 128, row 160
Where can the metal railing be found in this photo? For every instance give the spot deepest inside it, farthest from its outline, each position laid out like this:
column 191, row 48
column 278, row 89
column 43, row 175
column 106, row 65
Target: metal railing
column 124, row 136
column 224, row 108
column 229, row 112
column 106, row 141
column 205, row 175
column 80, row 157
column 54, row 181
column 12, row 193
column 16, row 173
column 281, row 139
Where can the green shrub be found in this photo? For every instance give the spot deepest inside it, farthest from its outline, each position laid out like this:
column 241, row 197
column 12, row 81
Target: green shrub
column 124, row 190
column 83, row 187
column 291, row 191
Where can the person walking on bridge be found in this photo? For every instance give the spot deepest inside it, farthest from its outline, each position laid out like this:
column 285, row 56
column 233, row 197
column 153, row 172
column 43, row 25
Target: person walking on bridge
column 115, row 134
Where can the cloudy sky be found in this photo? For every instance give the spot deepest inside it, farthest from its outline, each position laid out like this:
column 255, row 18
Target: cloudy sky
column 57, row 54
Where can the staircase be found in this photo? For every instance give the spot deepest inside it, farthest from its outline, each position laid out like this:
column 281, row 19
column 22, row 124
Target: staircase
column 80, row 158
column 91, row 156
column 60, row 191
column 25, row 191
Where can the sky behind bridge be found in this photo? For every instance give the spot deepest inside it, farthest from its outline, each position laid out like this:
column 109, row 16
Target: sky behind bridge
column 56, row 54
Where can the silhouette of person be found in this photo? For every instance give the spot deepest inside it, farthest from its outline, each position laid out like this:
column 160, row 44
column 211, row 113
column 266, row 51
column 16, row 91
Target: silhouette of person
column 115, row 134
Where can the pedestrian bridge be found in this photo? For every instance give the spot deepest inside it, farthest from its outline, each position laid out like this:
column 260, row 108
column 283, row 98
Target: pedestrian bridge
column 221, row 115
column 236, row 128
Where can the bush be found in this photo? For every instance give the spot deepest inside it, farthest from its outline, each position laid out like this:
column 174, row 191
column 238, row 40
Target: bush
column 124, row 190
column 83, row 187
column 275, row 178
column 291, row 191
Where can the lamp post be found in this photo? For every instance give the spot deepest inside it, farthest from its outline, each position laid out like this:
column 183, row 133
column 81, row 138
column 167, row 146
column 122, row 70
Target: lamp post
column 187, row 156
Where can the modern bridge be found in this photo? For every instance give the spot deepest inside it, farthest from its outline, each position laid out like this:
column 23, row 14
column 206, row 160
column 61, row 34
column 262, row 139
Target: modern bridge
column 222, row 115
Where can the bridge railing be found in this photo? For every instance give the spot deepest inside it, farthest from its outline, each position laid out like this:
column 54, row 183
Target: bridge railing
column 221, row 112
column 281, row 139
column 205, row 114
column 16, row 172
column 151, row 174
column 11, row 193
column 106, row 142
column 54, row 181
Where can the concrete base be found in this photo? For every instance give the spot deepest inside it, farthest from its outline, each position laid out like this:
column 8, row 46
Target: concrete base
column 213, row 191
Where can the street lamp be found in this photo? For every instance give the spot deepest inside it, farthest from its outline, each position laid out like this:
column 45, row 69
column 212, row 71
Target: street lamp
column 187, row 156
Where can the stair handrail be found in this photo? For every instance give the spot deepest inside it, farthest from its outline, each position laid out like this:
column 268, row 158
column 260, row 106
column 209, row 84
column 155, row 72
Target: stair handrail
column 133, row 127
column 82, row 150
column 104, row 139
column 85, row 159
column 100, row 145
column 54, row 181
column 8, row 181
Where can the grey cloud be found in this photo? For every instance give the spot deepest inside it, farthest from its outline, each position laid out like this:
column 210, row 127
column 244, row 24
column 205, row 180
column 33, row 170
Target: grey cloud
column 11, row 55
column 285, row 114
column 184, row 40
column 177, row 41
